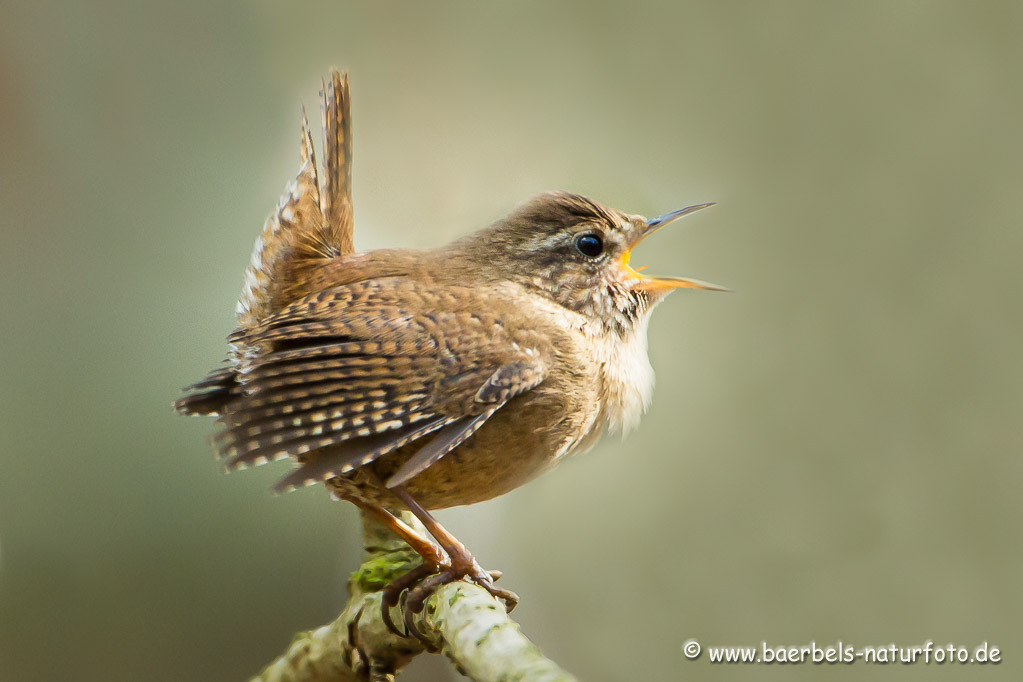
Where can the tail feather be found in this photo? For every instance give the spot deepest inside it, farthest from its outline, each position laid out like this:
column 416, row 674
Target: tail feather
column 336, row 188
column 313, row 221
column 311, row 226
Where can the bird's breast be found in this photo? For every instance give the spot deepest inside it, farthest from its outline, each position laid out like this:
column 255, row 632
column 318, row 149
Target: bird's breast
column 626, row 379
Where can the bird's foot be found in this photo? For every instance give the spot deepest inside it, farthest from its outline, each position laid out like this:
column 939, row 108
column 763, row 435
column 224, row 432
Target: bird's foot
column 467, row 567
column 422, row 581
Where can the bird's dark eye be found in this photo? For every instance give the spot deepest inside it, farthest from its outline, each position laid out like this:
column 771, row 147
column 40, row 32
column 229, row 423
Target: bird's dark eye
column 589, row 244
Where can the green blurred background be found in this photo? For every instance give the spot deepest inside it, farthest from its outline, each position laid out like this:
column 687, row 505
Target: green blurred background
column 833, row 451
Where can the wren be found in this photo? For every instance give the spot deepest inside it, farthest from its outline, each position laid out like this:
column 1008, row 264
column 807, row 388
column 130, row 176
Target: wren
column 419, row 380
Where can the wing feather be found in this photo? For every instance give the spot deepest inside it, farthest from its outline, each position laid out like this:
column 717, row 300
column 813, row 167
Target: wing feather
column 300, row 441
column 327, row 465
column 344, row 376
column 508, row 381
column 332, row 404
column 350, row 417
column 327, row 393
column 209, row 396
column 449, row 438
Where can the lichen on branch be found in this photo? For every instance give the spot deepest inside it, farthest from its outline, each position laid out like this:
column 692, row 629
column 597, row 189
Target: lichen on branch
column 461, row 620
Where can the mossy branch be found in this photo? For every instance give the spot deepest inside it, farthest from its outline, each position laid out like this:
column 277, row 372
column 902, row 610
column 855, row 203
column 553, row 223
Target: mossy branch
column 461, row 620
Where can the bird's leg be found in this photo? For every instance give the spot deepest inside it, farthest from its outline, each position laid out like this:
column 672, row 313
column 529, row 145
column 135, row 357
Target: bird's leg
column 434, row 560
column 462, row 564
column 423, row 546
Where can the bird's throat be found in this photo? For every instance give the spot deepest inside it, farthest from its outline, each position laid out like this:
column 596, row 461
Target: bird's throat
column 626, row 376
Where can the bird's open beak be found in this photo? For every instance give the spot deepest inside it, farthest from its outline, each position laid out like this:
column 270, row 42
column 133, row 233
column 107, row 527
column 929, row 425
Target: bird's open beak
column 664, row 284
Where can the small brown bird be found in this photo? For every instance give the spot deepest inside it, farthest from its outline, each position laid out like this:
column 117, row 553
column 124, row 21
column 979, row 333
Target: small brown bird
column 427, row 379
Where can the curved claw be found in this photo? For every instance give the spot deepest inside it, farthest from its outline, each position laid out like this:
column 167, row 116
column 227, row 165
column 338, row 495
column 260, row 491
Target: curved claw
column 416, row 600
column 412, row 630
column 486, row 580
column 355, row 657
column 511, row 600
column 392, row 593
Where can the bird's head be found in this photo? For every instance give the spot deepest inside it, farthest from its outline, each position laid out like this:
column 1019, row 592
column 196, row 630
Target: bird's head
column 576, row 252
